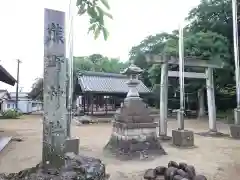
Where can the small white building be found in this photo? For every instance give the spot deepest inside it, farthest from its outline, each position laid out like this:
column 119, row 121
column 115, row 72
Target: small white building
column 25, row 104
column 4, row 97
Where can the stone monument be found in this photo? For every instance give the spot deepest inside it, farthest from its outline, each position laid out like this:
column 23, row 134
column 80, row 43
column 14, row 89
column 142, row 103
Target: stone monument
column 60, row 159
column 134, row 130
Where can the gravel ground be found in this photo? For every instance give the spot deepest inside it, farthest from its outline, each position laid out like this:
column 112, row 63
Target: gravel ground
column 217, row 158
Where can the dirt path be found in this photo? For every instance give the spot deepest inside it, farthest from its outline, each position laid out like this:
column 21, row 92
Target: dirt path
column 217, row 158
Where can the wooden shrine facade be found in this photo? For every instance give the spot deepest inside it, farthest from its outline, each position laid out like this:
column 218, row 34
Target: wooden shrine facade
column 102, row 93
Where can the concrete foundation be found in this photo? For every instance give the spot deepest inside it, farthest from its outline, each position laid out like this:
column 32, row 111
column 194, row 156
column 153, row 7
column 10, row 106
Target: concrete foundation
column 235, row 131
column 183, row 138
column 4, row 141
column 72, row 145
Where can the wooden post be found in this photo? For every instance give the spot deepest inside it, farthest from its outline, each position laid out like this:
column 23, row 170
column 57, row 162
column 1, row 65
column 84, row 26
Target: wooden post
column 92, row 103
column 54, row 93
column 201, row 108
column 84, row 103
column 106, row 108
column 97, row 102
column 88, row 110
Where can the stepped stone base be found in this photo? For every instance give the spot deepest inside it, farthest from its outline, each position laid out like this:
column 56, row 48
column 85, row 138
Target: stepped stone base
column 134, row 143
column 134, row 132
column 76, row 167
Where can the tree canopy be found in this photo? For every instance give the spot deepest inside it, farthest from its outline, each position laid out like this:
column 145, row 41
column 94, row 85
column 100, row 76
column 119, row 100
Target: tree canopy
column 208, row 36
column 98, row 63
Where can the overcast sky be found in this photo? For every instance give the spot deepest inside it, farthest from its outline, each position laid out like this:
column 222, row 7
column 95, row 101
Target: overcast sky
column 21, row 32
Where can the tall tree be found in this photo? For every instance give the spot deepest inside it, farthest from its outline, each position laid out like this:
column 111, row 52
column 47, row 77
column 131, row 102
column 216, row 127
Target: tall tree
column 212, row 15
column 216, row 16
column 203, row 45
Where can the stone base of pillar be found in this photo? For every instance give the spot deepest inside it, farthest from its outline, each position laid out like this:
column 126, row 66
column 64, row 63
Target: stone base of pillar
column 235, row 131
column 183, row 138
column 72, row 145
column 237, row 116
column 76, row 167
column 134, row 143
column 165, row 138
column 212, row 134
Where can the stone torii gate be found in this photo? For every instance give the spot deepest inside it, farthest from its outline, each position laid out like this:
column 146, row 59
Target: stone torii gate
column 165, row 73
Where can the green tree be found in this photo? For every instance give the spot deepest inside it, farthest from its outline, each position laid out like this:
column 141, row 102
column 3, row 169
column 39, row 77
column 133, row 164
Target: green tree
column 98, row 63
column 95, row 62
column 96, row 15
column 214, row 15
column 203, row 45
column 37, row 89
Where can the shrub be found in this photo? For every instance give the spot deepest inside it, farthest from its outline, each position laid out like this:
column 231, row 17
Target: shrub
column 10, row 114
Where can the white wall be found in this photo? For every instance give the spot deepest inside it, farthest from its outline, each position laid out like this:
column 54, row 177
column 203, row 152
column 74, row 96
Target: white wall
column 25, row 106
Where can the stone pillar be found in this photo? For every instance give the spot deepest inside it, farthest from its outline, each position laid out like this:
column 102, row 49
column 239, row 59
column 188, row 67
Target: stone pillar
column 163, row 100
column 211, row 100
column 201, row 110
column 54, row 94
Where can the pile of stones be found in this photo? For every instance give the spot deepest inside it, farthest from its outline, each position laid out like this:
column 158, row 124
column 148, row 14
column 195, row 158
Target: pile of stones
column 173, row 171
column 76, row 168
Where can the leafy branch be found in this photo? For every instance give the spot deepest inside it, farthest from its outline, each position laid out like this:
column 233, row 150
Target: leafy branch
column 96, row 14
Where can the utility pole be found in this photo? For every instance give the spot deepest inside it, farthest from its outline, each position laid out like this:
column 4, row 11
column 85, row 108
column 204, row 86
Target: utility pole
column 16, row 105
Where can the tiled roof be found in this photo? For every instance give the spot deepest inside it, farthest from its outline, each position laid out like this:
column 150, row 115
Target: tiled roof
column 3, row 93
column 100, row 82
column 6, row 77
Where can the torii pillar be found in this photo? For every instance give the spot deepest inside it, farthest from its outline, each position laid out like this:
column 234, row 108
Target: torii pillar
column 208, row 75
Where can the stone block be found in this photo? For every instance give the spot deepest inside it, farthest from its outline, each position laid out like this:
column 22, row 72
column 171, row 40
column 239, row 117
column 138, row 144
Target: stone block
column 183, row 138
column 235, row 131
column 72, row 145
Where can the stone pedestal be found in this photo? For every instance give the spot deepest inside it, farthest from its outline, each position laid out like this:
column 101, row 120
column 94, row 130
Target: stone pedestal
column 235, row 131
column 183, row 138
column 72, row 145
column 134, row 132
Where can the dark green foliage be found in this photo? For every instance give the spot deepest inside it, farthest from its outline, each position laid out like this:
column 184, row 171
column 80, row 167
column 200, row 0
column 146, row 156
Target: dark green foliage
column 96, row 15
column 208, row 36
column 10, row 114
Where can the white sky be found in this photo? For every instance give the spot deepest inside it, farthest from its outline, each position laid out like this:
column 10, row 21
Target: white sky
column 21, row 32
